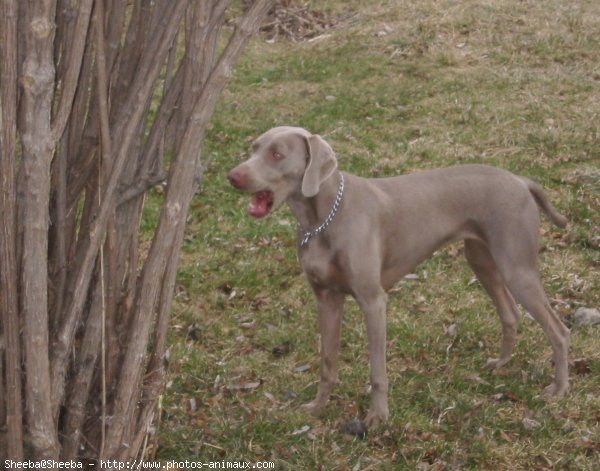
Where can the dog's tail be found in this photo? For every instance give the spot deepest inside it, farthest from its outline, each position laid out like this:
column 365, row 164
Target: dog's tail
column 542, row 201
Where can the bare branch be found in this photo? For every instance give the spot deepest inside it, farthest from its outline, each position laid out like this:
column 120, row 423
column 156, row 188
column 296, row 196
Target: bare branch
column 125, row 126
column 70, row 82
column 141, row 187
column 102, row 85
column 106, row 146
column 153, row 153
column 82, row 381
column 172, row 221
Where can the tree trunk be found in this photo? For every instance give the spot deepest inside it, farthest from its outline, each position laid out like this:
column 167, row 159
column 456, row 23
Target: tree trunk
column 11, row 386
column 79, row 150
column 38, row 149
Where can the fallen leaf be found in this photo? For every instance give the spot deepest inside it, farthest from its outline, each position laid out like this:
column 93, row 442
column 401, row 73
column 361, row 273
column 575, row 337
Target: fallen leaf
column 226, row 288
column 478, row 379
column 302, row 368
column 245, row 386
column 282, row 349
column 194, row 333
column 250, row 324
column 355, row 427
column 581, row 366
column 590, row 446
column 260, row 301
column 301, row 430
column 214, row 400
column 271, row 397
column 289, row 395
column 511, row 396
column 586, row 316
column 524, row 377
column 450, row 330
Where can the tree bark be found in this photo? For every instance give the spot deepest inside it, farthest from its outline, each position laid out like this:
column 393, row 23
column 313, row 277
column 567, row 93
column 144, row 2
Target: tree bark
column 38, row 149
column 8, row 244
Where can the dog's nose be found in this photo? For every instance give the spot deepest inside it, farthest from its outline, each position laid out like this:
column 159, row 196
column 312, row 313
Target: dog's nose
column 236, row 179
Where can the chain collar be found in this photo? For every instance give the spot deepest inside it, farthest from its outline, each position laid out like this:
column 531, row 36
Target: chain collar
column 307, row 235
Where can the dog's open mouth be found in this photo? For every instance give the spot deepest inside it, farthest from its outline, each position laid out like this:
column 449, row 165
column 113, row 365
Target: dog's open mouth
column 261, row 204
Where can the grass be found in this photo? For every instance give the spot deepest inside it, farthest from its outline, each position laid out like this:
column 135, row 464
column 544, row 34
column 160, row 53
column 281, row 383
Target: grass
column 399, row 86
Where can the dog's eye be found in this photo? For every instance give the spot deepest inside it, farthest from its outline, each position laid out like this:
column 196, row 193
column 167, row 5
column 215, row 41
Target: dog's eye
column 277, row 156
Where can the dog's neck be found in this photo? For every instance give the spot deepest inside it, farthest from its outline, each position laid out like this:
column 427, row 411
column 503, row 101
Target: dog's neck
column 311, row 212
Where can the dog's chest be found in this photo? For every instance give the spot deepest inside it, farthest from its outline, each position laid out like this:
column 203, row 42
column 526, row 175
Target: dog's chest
column 323, row 269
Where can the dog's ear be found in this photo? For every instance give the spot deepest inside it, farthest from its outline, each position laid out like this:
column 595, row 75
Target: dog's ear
column 321, row 164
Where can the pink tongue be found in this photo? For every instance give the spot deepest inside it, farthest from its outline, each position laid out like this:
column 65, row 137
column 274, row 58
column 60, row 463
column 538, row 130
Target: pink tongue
column 260, row 204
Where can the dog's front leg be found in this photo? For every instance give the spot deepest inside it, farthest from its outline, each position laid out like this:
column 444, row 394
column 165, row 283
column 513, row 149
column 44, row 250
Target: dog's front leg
column 374, row 307
column 330, row 305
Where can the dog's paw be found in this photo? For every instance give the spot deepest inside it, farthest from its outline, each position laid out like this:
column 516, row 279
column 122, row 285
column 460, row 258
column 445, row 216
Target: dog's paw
column 494, row 363
column 375, row 418
column 556, row 390
column 313, row 407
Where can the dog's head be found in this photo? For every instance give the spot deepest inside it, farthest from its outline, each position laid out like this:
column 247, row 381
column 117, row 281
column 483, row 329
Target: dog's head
column 285, row 161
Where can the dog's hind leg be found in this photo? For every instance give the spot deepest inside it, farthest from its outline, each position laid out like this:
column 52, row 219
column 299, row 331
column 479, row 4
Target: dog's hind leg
column 517, row 262
column 528, row 291
column 487, row 273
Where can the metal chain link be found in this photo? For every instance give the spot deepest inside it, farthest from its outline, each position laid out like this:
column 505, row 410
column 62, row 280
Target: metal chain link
column 336, row 205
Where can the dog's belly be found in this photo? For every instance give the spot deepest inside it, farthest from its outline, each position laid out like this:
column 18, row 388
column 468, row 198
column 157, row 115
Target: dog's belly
column 403, row 256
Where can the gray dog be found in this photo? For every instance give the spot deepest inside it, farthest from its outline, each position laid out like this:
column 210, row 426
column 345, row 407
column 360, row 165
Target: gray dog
column 359, row 236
